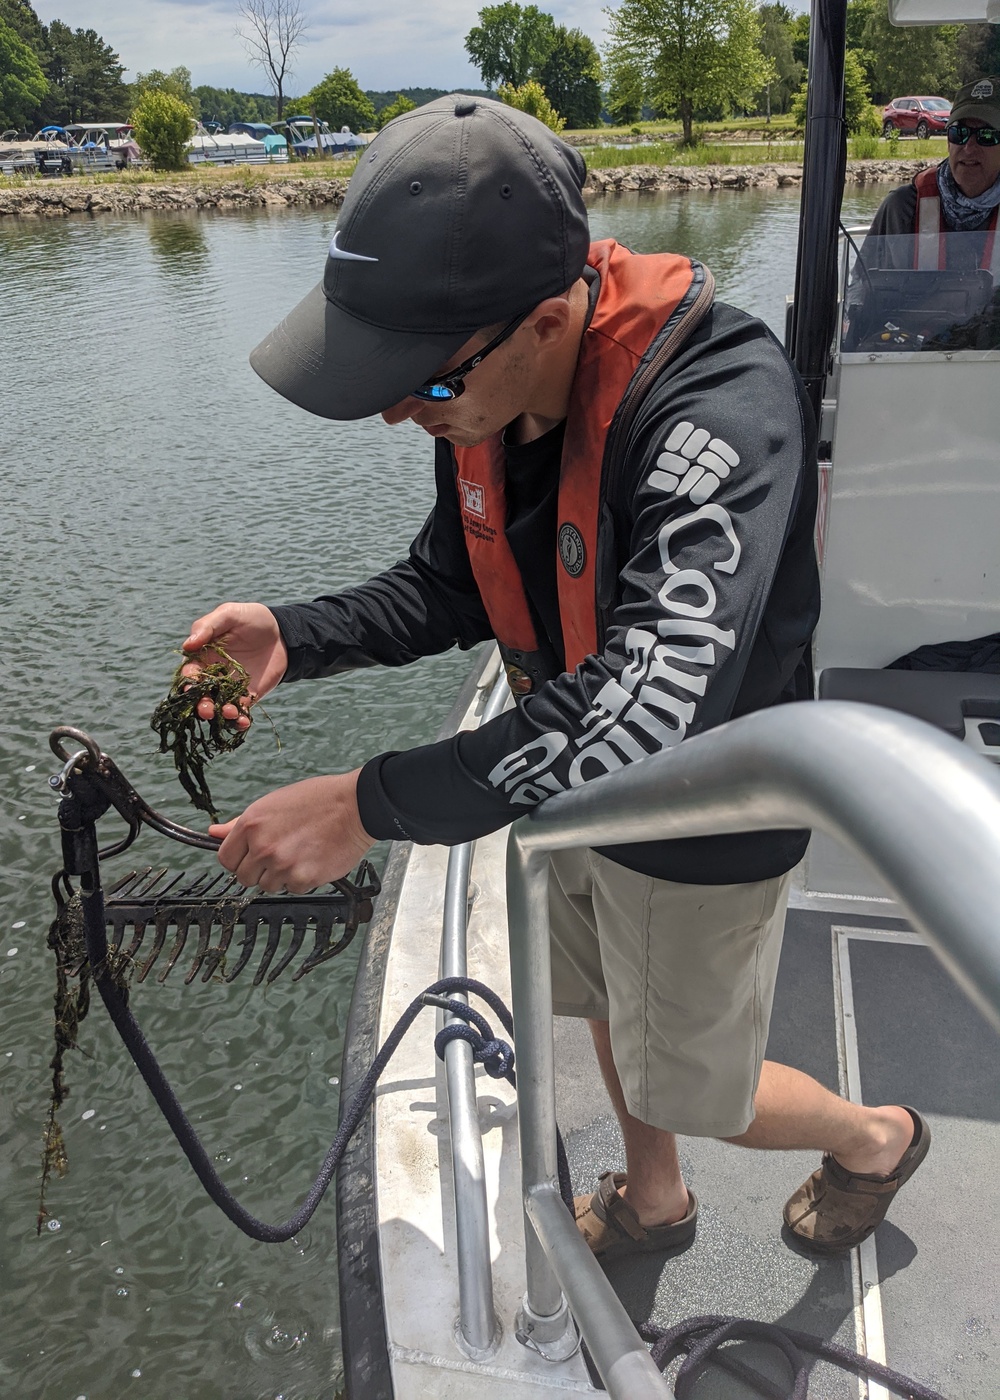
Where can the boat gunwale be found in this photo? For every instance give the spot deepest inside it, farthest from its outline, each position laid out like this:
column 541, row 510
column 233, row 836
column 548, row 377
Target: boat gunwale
column 364, row 1345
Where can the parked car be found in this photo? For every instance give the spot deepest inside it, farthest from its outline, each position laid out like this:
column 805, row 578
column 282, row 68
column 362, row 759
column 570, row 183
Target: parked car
column 916, row 116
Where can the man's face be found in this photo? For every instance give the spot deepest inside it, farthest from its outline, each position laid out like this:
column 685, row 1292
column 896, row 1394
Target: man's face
column 974, row 167
column 496, row 392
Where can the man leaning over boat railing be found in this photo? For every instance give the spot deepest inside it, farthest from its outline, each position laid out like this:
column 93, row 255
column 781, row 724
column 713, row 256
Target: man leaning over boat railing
column 625, row 491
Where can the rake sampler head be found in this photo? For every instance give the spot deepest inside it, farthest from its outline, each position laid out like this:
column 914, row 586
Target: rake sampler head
column 153, row 912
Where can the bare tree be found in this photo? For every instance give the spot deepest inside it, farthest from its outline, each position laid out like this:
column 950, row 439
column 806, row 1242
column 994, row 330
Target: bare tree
column 271, row 31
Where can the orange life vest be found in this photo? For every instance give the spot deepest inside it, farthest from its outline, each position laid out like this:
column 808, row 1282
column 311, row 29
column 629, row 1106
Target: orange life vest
column 929, row 251
column 647, row 306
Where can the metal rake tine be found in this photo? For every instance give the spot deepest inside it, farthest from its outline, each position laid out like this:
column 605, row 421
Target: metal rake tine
column 298, row 935
column 161, row 924
column 149, row 888
column 274, row 922
column 138, row 936
column 324, row 949
column 231, row 912
column 183, row 925
column 204, row 921
column 247, row 943
column 134, row 876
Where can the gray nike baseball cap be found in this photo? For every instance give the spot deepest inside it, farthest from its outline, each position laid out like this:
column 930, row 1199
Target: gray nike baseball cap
column 460, row 214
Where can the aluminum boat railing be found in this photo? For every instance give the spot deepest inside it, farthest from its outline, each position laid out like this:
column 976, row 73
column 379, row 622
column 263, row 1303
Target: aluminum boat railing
column 477, row 1323
column 921, row 811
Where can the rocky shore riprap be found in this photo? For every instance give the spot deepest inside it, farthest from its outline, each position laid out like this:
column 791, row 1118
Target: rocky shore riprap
column 59, row 198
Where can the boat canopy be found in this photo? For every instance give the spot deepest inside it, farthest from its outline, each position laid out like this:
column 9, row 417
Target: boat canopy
column 908, row 12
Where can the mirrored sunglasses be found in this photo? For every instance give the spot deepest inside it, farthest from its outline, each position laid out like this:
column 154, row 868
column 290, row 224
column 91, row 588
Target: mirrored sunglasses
column 451, row 385
column 958, row 134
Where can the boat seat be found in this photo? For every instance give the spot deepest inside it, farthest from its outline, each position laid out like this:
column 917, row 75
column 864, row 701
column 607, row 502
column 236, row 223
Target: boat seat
column 963, row 703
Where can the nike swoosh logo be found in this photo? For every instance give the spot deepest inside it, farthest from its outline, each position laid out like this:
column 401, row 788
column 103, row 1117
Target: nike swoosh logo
column 344, row 255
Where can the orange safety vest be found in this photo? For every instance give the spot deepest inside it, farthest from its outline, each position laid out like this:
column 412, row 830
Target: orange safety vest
column 930, row 250
column 647, row 307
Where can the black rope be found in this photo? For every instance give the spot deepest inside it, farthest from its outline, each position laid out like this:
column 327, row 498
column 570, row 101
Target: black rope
column 496, row 1056
column 702, row 1337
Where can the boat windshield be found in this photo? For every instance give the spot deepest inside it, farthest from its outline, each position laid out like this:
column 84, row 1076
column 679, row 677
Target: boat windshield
column 927, row 293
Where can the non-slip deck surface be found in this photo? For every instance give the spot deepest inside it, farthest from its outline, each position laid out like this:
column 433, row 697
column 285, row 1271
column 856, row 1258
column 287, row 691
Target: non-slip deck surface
column 918, row 1041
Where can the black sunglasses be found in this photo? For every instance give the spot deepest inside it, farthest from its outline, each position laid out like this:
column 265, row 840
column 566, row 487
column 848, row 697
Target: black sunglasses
column 958, row 134
column 451, row 385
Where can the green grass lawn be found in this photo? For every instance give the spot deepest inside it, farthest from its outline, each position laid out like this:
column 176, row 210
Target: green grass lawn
column 751, row 153
column 667, row 150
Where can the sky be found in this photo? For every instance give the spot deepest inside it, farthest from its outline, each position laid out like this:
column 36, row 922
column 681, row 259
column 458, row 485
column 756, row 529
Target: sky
column 385, row 43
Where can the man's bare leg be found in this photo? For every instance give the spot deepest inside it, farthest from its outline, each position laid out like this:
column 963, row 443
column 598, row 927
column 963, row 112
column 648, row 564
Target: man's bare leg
column 655, row 1188
column 793, row 1112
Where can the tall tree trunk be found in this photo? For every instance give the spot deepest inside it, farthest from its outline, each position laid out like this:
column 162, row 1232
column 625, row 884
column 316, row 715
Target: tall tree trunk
column 685, row 110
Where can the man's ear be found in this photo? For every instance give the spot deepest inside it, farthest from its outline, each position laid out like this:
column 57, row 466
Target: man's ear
column 551, row 321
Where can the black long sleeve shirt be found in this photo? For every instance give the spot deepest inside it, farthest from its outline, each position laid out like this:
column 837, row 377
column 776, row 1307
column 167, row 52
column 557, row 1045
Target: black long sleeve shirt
column 716, row 602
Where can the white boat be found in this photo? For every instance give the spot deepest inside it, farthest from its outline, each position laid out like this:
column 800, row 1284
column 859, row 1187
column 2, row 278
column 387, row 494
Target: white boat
column 231, row 148
column 461, row 1272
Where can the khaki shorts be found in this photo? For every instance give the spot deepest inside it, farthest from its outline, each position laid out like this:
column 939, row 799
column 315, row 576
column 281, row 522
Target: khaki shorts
column 685, row 976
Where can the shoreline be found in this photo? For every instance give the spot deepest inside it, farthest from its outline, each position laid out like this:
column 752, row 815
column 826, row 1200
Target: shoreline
column 61, row 198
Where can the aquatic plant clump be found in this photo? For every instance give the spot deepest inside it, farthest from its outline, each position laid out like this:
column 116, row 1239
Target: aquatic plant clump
column 195, row 741
column 70, row 1005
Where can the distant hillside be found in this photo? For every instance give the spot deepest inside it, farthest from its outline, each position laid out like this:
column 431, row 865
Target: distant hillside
column 418, row 96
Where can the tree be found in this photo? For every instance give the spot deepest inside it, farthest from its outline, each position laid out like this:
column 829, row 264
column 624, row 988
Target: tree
column 339, row 101
column 776, row 44
column 530, row 97
column 20, row 16
column 177, row 82
column 22, row 83
column 691, row 54
column 85, row 76
column 226, row 105
column 857, row 102
column 917, row 60
column 395, row 109
column 800, row 39
column 271, row 32
column 625, row 95
column 571, row 77
column 977, row 52
column 510, row 43
column 162, row 128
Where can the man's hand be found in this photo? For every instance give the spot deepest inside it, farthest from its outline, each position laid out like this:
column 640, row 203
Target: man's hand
column 298, row 837
column 250, row 634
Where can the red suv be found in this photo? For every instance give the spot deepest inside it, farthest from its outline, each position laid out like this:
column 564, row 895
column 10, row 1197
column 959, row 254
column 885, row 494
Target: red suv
column 916, row 116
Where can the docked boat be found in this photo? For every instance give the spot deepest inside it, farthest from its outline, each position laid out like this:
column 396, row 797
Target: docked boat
column 82, row 148
column 306, row 137
column 235, row 148
column 461, row 1271
column 106, row 145
column 275, row 145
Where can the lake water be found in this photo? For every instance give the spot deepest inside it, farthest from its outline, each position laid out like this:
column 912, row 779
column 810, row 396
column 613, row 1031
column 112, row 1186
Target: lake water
column 147, row 474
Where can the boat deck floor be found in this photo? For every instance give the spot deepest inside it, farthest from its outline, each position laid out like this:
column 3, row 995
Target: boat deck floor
column 864, row 1008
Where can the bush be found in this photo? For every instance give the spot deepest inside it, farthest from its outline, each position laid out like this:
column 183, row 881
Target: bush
column 531, row 99
column 163, row 128
column 870, row 123
column 864, row 146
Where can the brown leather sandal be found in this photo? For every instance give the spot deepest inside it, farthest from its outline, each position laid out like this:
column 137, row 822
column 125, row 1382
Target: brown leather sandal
column 836, row 1209
column 612, row 1229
